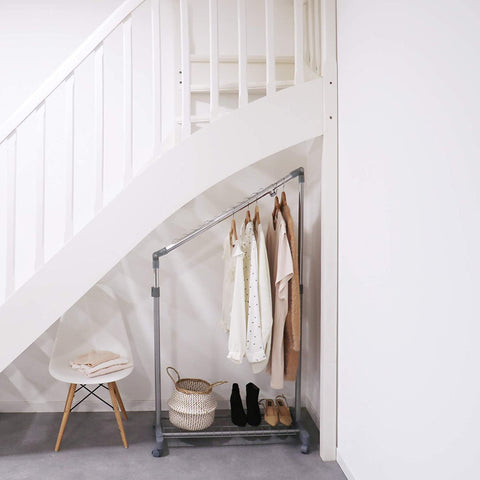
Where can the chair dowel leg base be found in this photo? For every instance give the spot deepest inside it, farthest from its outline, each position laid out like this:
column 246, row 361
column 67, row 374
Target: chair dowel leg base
column 120, row 401
column 66, row 413
column 111, row 388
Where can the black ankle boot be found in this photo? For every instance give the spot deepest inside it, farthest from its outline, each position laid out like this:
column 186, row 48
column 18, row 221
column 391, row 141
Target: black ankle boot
column 253, row 410
column 236, row 408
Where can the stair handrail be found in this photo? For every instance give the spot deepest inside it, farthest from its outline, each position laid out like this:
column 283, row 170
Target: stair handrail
column 68, row 66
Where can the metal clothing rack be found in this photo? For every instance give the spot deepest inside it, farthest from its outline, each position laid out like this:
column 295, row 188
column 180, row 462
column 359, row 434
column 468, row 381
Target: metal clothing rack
column 222, row 428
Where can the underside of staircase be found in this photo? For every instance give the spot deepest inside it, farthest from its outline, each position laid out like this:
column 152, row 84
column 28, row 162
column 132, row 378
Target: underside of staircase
column 244, row 137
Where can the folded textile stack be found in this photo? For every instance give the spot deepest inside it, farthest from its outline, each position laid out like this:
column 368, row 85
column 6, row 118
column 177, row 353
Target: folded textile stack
column 96, row 363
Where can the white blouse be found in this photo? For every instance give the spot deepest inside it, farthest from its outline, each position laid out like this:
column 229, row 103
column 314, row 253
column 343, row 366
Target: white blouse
column 254, row 347
column 236, row 339
column 265, row 299
column 228, row 281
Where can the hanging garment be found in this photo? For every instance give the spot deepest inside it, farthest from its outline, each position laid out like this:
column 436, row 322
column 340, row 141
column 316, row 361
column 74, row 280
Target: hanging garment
column 292, row 332
column 265, row 299
column 281, row 271
column 236, row 339
column 228, row 281
column 254, row 346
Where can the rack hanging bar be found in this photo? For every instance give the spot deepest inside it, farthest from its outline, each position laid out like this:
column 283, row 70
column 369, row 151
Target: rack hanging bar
column 299, row 172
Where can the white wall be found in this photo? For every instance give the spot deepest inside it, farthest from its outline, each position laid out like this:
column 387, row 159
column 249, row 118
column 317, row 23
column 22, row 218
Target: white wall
column 36, row 36
column 409, row 266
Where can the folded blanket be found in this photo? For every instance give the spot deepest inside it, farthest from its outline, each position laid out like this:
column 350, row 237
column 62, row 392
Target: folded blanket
column 90, row 370
column 93, row 358
column 113, row 368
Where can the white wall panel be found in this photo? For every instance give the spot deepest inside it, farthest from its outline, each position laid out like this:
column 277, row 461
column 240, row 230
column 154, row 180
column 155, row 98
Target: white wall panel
column 409, row 266
column 23, row 24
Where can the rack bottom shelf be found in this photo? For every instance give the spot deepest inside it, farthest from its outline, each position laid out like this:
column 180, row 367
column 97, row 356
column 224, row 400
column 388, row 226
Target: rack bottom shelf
column 224, row 432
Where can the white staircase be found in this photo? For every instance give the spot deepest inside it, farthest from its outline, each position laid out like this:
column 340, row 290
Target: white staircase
column 208, row 94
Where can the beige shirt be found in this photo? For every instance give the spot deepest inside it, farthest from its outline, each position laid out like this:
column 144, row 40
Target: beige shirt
column 292, row 333
column 281, row 271
column 254, row 347
column 228, row 281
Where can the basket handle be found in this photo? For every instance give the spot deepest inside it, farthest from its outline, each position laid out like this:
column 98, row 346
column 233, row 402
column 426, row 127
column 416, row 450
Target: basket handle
column 216, row 384
column 170, row 375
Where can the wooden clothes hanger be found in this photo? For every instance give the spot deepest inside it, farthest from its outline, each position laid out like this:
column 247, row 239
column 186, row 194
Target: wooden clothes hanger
column 276, row 209
column 283, row 201
column 256, row 219
column 233, row 232
column 248, row 219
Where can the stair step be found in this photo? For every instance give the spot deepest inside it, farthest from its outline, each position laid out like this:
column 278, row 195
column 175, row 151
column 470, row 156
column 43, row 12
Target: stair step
column 198, row 58
column 257, row 87
column 196, row 119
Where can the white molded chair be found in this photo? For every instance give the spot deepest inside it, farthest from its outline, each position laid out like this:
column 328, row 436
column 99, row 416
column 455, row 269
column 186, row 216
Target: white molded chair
column 96, row 325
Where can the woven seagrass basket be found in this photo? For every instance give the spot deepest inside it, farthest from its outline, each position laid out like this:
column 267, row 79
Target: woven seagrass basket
column 192, row 404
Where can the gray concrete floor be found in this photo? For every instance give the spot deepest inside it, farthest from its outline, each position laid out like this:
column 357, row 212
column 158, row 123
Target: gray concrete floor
column 92, row 449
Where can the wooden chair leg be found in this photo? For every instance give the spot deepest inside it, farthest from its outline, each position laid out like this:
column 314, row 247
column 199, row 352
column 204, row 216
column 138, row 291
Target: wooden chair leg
column 120, row 402
column 111, row 388
column 66, row 413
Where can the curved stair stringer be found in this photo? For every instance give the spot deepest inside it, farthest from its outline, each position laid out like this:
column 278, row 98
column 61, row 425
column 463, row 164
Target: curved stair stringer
column 222, row 148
